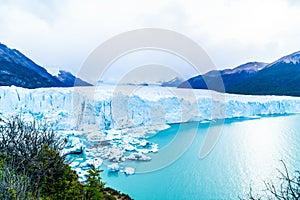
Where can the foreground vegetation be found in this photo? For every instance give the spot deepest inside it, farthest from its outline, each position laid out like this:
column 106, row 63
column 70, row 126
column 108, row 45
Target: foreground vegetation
column 31, row 166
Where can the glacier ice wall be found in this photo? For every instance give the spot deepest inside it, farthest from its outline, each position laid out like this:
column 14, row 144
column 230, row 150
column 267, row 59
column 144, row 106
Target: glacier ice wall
column 124, row 107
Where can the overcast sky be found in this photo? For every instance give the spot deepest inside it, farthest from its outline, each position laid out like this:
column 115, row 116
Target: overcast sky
column 62, row 33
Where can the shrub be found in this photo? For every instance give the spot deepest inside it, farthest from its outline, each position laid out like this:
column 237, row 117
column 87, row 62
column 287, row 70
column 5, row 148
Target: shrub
column 31, row 166
column 95, row 187
column 12, row 185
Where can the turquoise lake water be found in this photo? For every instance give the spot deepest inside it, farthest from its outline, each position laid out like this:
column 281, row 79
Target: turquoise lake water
column 248, row 152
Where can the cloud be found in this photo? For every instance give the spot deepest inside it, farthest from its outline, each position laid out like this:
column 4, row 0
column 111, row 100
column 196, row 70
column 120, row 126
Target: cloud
column 294, row 2
column 63, row 33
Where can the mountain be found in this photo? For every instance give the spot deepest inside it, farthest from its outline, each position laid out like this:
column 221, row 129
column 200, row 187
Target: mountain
column 230, row 77
column 69, row 80
column 281, row 77
column 16, row 69
column 175, row 82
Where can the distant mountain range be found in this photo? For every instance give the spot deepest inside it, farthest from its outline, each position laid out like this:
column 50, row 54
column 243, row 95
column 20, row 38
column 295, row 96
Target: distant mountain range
column 16, row 69
column 175, row 82
column 281, row 77
column 231, row 77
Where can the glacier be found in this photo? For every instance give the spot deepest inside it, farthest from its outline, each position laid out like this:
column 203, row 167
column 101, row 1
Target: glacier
column 148, row 106
column 110, row 124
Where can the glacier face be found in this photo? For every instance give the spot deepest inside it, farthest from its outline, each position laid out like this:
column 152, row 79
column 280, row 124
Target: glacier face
column 118, row 108
column 110, row 123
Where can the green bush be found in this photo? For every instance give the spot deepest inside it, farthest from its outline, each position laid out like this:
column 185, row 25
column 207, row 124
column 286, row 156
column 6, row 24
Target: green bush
column 59, row 183
column 31, row 166
column 12, row 184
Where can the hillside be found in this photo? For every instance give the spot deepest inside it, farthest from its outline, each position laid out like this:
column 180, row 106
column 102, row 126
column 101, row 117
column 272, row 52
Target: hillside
column 17, row 69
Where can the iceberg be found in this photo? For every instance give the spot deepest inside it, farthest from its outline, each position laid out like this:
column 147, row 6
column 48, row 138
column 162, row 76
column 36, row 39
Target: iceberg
column 74, row 146
column 138, row 156
column 95, row 162
column 114, row 167
column 113, row 153
column 129, row 170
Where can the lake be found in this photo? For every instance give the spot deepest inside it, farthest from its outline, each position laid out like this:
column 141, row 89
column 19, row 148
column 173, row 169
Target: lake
column 248, row 152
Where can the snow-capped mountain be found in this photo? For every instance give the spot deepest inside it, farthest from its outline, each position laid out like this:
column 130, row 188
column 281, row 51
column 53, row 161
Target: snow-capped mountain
column 281, row 77
column 293, row 58
column 175, row 82
column 230, row 77
column 69, row 80
column 16, row 57
column 251, row 68
column 17, row 69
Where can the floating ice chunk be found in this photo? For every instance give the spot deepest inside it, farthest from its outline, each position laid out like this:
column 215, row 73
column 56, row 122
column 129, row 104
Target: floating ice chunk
column 78, row 149
column 113, row 153
column 145, row 151
column 138, row 156
column 74, row 146
column 129, row 170
column 72, row 141
column 147, row 147
column 154, row 148
column 128, row 147
column 74, row 164
column 95, row 162
column 144, row 143
column 95, row 136
column 113, row 167
column 113, row 137
column 134, row 142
